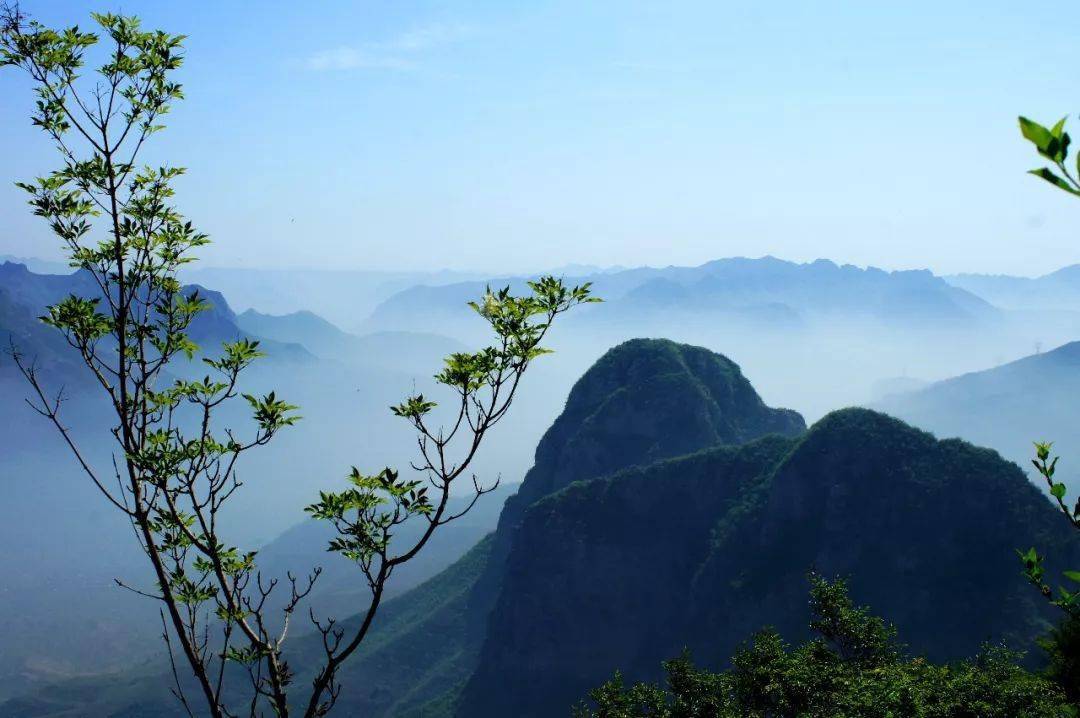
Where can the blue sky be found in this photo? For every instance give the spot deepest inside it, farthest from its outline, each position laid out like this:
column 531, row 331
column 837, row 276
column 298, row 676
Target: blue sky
column 507, row 136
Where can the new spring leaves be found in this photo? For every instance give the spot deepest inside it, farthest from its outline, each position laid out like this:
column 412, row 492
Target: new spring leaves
column 1067, row 600
column 484, row 381
column 1053, row 144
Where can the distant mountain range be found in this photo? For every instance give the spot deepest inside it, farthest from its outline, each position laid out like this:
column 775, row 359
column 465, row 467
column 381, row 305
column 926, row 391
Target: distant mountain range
column 345, row 297
column 20, row 327
column 816, row 336
column 1055, row 291
column 399, row 351
column 767, row 313
column 33, row 292
column 769, row 291
column 39, row 266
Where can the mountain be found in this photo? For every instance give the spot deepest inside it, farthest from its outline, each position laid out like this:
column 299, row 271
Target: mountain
column 344, row 296
column 20, row 327
column 615, row 556
column 412, row 351
column 823, row 287
column 621, row 572
column 1006, row 407
column 303, row 327
column 643, row 401
column 618, row 561
column 34, row 292
column 889, row 386
column 40, row 266
column 1059, row 290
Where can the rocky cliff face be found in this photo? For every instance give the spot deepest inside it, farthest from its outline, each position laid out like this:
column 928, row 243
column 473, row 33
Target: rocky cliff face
column 599, row 577
column 699, row 552
column 643, row 401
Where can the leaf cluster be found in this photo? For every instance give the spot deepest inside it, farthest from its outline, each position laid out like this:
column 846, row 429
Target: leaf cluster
column 1053, row 144
column 366, row 514
column 358, row 513
column 1066, row 599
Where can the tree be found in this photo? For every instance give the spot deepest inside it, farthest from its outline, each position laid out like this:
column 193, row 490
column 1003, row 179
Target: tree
column 853, row 667
column 174, row 467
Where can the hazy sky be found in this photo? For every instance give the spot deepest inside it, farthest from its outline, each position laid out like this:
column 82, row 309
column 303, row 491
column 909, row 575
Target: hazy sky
column 522, row 135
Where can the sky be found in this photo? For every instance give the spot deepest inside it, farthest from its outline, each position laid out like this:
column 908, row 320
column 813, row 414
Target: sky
column 517, row 136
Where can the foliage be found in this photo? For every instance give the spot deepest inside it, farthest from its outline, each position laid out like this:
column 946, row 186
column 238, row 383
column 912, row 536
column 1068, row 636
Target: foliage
column 484, row 383
column 174, row 468
column 1053, row 144
column 1066, row 599
column 852, row 668
column 1063, row 644
column 1062, row 649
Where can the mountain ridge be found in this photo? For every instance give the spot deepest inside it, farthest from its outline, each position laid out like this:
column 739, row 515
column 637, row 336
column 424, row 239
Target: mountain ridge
column 732, row 285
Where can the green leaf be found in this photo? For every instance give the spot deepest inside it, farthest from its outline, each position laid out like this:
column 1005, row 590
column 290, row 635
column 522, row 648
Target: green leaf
column 1073, row 576
column 1063, row 140
column 1058, row 491
column 1036, row 134
column 1045, row 174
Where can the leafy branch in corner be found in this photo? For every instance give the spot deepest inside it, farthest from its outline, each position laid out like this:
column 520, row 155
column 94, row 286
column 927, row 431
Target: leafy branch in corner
column 1053, row 144
column 1067, row 600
